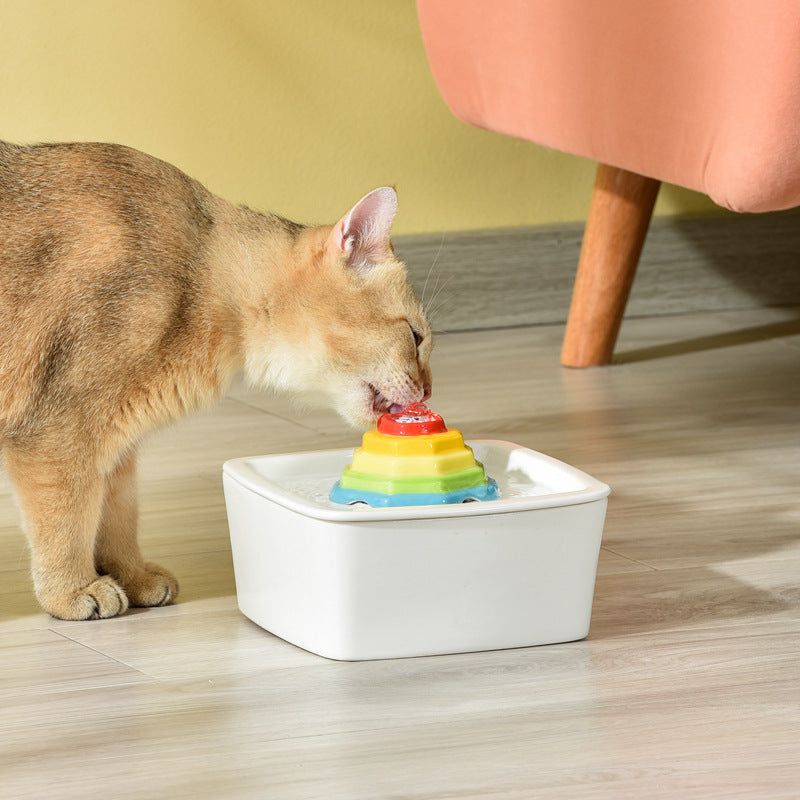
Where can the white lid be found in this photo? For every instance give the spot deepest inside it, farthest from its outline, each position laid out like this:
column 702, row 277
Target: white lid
column 527, row 480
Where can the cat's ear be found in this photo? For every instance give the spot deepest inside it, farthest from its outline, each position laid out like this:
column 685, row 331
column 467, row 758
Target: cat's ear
column 362, row 234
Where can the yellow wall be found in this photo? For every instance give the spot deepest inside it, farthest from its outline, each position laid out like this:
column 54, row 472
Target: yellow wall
column 297, row 106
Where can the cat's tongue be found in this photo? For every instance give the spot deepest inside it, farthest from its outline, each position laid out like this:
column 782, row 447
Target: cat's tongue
column 394, row 408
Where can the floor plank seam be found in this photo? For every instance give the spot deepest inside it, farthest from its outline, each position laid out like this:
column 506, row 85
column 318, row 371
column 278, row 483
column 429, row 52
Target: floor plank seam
column 103, row 655
column 632, row 560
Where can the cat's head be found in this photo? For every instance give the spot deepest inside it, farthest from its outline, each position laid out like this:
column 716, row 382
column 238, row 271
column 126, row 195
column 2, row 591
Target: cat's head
column 346, row 326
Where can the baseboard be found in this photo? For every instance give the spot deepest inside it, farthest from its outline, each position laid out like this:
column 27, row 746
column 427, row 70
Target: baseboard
column 524, row 276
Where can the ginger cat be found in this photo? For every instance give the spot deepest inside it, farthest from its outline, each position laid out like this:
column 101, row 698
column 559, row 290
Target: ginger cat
column 129, row 296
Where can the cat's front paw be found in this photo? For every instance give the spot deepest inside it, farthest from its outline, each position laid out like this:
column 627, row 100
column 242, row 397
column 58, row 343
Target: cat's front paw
column 101, row 599
column 152, row 586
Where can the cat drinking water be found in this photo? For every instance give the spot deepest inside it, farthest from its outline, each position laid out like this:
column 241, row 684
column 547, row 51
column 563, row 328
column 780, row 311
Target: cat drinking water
column 130, row 296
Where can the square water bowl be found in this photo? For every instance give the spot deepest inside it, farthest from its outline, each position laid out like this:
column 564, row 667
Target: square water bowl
column 356, row 583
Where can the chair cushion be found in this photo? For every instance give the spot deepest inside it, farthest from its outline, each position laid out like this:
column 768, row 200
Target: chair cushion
column 700, row 93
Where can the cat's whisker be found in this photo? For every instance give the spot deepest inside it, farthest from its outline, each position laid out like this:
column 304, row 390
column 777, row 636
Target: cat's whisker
column 430, row 271
column 435, row 311
column 440, row 285
column 426, row 303
column 437, row 292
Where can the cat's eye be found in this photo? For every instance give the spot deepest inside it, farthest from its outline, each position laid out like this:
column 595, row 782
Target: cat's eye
column 417, row 337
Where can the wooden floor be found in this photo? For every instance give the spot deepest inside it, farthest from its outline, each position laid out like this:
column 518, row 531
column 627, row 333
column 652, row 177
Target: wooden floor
column 688, row 685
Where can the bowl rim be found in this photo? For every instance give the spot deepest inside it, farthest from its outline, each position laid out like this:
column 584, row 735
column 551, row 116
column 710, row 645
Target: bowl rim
column 241, row 471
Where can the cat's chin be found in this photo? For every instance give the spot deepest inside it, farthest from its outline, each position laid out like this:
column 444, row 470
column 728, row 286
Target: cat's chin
column 356, row 415
column 381, row 404
column 358, row 420
column 362, row 408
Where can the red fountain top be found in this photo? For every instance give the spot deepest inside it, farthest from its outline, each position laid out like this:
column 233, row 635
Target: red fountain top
column 414, row 420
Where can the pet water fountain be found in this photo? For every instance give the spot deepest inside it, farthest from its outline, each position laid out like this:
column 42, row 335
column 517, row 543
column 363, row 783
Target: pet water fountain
column 412, row 459
column 415, row 544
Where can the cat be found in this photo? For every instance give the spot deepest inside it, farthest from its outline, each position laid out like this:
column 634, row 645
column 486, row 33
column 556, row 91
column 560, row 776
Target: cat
column 130, row 295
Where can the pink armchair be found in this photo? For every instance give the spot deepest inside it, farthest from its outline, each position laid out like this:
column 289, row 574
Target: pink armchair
column 700, row 93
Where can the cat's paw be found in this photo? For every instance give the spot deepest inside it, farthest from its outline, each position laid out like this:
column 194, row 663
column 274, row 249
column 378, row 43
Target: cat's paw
column 152, row 586
column 101, row 599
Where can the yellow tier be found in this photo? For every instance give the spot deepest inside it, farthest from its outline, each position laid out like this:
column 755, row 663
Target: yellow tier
column 392, row 466
column 428, row 444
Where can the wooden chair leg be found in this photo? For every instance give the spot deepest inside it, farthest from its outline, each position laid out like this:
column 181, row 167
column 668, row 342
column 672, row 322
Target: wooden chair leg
column 619, row 215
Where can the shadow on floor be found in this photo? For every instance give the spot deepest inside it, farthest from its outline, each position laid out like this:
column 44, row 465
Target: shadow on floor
column 760, row 333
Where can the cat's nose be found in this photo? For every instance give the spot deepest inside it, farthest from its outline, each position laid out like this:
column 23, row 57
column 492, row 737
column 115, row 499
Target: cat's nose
column 426, row 392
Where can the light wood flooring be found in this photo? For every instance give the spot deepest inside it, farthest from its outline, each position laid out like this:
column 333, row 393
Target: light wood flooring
column 688, row 685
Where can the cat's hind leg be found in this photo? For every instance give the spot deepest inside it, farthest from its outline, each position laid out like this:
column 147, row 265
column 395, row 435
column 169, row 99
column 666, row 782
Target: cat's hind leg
column 117, row 550
column 61, row 501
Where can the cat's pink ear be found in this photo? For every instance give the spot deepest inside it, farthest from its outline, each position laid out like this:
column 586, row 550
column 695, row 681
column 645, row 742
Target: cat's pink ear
column 362, row 234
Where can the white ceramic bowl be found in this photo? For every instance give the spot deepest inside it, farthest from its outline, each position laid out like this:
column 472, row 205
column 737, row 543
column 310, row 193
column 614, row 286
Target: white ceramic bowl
column 355, row 583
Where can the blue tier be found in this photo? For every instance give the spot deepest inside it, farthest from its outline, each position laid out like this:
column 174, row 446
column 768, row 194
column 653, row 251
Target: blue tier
column 380, row 500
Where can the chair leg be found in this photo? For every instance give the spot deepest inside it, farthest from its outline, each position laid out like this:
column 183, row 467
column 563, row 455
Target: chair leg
column 619, row 215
